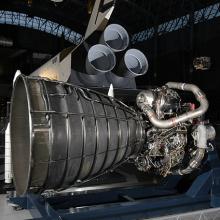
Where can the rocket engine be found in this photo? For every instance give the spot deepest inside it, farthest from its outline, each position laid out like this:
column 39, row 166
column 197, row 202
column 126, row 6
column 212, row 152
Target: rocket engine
column 62, row 133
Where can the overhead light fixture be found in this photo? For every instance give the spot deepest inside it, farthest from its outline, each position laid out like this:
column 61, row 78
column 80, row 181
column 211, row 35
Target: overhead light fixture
column 57, row 1
column 202, row 63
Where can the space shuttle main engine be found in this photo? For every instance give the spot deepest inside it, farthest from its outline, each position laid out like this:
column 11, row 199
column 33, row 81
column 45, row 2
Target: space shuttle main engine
column 116, row 157
column 115, row 37
column 108, row 62
column 62, row 134
column 100, row 60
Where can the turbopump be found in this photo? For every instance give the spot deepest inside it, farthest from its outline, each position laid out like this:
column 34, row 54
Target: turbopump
column 177, row 135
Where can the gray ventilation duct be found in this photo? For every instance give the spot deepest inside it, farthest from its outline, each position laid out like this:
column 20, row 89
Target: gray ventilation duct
column 115, row 37
column 100, row 59
column 134, row 63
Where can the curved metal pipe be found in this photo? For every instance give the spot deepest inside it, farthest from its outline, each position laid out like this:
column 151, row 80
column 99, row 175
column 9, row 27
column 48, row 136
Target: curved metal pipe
column 115, row 37
column 200, row 96
column 100, row 59
column 204, row 133
column 193, row 164
column 201, row 140
column 134, row 63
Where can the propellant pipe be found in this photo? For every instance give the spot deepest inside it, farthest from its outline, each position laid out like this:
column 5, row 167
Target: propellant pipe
column 203, row 134
column 169, row 123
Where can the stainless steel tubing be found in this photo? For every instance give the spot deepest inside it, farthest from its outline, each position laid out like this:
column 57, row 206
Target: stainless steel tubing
column 204, row 133
column 134, row 63
column 194, row 163
column 211, row 133
column 200, row 96
column 62, row 134
column 115, row 37
column 100, row 59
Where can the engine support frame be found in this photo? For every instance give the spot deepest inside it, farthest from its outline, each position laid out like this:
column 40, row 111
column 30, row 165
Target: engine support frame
column 120, row 203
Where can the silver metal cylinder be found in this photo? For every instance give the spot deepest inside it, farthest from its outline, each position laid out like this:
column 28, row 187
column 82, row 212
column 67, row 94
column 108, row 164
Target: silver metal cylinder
column 201, row 137
column 211, row 133
column 134, row 63
column 115, row 37
column 100, row 59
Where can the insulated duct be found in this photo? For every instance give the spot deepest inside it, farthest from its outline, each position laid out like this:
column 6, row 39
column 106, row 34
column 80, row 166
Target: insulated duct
column 134, row 63
column 62, row 134
column 100, row 59
column 115, row 37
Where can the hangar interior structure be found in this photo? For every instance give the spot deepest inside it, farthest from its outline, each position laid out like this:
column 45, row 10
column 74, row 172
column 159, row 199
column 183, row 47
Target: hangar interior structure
column 109, row 109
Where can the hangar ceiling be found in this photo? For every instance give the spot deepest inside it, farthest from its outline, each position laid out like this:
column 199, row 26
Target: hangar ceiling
column 133, row 14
